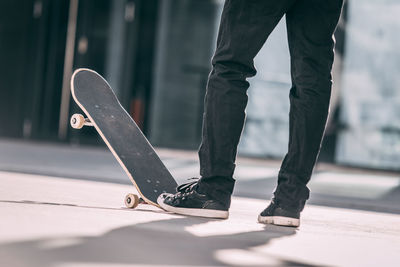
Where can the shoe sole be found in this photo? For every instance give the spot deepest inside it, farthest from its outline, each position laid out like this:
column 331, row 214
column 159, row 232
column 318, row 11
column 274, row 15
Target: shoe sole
column 279, row 220
column 207, row 213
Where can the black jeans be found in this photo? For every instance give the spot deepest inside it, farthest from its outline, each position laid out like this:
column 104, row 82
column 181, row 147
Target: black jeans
column 245, row 26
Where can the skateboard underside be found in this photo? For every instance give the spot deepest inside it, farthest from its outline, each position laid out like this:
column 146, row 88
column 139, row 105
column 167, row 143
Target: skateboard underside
column 121, row 134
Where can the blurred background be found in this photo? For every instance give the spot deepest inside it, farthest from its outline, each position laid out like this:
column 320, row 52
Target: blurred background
column 61, row 192
column 156, row 55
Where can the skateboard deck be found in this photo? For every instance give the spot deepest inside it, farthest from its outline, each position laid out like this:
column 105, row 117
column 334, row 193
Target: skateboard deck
column 123, row 137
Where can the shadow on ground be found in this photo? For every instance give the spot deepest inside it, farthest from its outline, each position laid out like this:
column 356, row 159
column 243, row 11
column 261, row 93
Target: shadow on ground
column 264, row 188
column 163, row 242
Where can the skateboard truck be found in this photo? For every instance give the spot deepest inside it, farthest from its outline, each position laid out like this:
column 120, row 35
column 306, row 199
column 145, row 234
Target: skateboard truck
column 78, row 121
column 132, row 201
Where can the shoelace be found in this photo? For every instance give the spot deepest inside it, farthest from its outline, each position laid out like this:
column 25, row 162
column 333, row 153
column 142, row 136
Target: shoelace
column 187, row 187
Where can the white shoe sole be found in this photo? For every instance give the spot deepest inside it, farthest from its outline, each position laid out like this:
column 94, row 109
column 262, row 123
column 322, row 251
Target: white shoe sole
column 279, row 220
column 218, row 214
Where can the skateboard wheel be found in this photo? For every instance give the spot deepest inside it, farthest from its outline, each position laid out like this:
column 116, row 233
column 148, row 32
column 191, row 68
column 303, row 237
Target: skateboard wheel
column 77, row 121
column 131, row 201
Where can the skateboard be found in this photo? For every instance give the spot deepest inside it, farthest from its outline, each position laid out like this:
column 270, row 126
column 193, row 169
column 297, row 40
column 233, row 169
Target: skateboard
column 130, row 147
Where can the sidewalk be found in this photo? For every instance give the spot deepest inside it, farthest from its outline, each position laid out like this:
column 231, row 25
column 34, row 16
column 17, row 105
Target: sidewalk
column 330, row 185
column 62, row 205
column 50, row 221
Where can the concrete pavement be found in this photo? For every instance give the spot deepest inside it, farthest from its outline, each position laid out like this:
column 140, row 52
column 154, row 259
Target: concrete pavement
column 52, row 221
column 62, row 205
column 330, row 185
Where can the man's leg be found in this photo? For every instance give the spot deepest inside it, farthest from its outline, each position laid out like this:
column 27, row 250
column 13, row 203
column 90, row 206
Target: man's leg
column 310, row 27
column 245, row 25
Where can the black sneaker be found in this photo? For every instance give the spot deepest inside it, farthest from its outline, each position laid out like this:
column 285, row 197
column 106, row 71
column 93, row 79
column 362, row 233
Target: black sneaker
column 274, row 214
column 188, row 201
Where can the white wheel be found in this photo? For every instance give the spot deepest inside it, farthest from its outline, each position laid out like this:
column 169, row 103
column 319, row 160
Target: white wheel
column 77, row 121
column 131, row 201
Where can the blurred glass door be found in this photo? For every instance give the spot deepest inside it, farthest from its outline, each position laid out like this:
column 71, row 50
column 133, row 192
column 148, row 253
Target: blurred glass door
column 185, row 43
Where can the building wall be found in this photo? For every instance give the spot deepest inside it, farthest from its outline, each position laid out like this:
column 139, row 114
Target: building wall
column 115, row 38
column 166, row 97
column 185, row 43
column 370, row 99
column 266, row 130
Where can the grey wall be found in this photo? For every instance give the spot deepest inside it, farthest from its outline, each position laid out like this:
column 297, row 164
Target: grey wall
column 370, row 96
column 185, row 43
column 266, row 129
column 366, row 87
